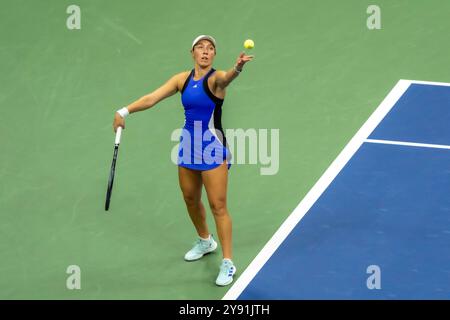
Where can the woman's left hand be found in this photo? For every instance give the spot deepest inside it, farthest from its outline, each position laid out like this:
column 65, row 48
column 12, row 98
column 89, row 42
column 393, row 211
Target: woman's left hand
column 243, row 59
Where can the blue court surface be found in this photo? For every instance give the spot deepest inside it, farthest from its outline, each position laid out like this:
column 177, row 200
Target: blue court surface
column 377, row 223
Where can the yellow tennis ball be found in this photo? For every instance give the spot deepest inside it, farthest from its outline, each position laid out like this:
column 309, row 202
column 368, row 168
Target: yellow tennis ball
column 249, row 44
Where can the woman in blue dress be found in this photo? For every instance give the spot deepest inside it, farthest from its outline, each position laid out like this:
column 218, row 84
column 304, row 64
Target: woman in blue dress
column 203, row 158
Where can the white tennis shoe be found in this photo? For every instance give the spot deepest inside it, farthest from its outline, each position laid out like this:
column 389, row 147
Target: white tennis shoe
column 200, row 248
column 226, row 273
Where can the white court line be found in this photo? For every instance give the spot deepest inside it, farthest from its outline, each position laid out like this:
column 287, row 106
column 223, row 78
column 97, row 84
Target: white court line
column 430, row 83
column 320, row 186
column 409, row 144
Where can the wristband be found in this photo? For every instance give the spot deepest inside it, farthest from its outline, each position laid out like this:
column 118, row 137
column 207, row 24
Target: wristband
column 236, row 69
column 123, row 112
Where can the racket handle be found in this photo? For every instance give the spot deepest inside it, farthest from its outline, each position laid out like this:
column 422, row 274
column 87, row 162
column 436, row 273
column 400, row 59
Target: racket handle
column 118, row 134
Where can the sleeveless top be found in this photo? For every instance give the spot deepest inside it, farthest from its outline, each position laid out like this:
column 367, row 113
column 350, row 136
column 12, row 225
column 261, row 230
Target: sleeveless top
column 203, row 144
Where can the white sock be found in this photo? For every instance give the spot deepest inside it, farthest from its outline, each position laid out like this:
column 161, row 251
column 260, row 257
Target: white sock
column 207, row 239
column 229, row 260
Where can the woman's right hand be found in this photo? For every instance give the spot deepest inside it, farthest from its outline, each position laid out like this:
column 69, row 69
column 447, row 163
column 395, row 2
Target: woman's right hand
column 118, row 122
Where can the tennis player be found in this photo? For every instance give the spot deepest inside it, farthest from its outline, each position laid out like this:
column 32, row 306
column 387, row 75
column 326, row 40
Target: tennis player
column 203, row 158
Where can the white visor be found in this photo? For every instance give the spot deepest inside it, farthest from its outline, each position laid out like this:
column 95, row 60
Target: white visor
column 203, row 37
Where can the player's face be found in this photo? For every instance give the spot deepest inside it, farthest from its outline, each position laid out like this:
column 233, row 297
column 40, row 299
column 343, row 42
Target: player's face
column 204, row 53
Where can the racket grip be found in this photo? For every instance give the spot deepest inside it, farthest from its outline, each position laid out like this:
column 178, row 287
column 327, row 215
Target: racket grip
column 118, row 135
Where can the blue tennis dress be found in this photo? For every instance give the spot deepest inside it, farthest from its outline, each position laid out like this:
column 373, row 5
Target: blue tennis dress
column 203, row 144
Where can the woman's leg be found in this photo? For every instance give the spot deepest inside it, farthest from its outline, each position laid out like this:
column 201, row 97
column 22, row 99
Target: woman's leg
column 215, row 182
column 191, row 187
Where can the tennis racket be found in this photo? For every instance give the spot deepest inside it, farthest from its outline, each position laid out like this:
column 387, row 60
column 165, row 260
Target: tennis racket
column 113, row 168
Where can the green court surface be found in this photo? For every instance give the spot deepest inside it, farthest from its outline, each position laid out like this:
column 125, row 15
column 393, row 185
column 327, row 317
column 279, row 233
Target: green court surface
column 318, row 74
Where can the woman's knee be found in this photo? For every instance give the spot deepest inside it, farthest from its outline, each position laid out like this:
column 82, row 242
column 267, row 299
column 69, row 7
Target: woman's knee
column 219, row 207
column 191, row 199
